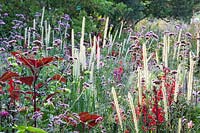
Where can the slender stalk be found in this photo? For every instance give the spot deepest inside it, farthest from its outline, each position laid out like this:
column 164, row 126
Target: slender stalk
column 190, row 78
column 117, row 107
column 177, row 83
column 105, row 32
column 133, row 112
column 34, row 29
column 179, row 40
column 145, row 62
column 198, row 43
column 179, row 125
column 165, row 100
column 42, row 19
column 29, row 37
column 120, row 32
column 25, row 36
column 139, row 87
column 34, row 97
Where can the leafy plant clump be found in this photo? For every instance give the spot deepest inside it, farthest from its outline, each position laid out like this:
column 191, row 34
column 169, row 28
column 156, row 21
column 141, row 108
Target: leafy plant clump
column 58, row 78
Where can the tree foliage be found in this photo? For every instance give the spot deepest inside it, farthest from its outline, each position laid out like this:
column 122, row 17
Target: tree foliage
column 177, row 9
column 131, row 11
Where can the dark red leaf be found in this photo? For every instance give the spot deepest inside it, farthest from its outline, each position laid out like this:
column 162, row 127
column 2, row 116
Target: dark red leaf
column 91, row 119
column 27, row 80
column 32, row 63
column 58, row 59
column 50, row 96
column 39, row 85
column 44, row 61
column 29, row 92
column 59, row 78
column 8, row 75
column 27, row 62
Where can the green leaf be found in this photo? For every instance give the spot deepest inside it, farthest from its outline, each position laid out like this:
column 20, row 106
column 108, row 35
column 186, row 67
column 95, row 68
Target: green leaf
column 35, row 130
column 21, row 131
column 20, row 127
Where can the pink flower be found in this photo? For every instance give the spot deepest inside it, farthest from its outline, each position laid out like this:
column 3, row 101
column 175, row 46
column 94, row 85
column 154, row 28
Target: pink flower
column 190, row 124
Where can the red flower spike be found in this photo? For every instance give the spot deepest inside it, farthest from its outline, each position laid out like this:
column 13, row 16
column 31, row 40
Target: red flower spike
column 59, row 78
column 8, row 75
column 27, row 80
column 91, row 119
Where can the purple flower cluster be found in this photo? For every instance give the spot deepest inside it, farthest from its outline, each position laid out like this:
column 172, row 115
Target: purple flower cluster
column 64, row 22
column 66, row 17
column 4, row 114
column 37, row 115
column 2, row 22
column 151, row 34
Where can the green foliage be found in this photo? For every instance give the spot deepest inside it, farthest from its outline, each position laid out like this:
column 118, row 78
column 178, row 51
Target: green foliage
column 30, row 129
column 160, row 9
column 77, row 22
column 131, row 11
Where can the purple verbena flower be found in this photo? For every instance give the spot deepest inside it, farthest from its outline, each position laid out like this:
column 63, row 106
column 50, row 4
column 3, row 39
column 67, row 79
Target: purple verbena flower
column 19, row 37
column 5, row 14
column 2, row 22
column 38, row 14
column 67, row 26
column 188, row 34
column 21, row 16
column 37, row 115
column 66, row 17
column 57, row 29
column 57, row 42
column 178, row 27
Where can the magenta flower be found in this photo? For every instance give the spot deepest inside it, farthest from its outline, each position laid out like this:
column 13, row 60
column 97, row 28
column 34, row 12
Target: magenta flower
column 4, row 114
